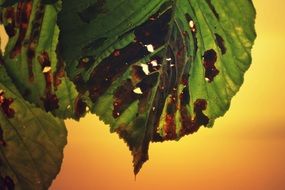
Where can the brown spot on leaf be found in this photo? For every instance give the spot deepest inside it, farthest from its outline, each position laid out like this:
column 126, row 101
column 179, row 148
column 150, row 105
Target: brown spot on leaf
column 170, row 80
column 80, row 107
column 151, row 32
column 116, row 53
column 50, row 100
column 209, row 2
column 58, row 74
column 44, row 60
column 200, row 105
column 148, row 83
column 185, row 79
column 174, row 73
column 10, row 26
column 186, row 121
column 34, row 37
column 209, row 60
column 185, row 96
column 220, row 43
column 80, row 84
column 5, row 104
column 154, row 31
column 125, row 94
column 59, row 71
column 169, row 127
column 23, row 13
column 137, row 74
column 113, row 67
column 2, row 141
column 123, row 97
column 37, row 23
column 190, row 126
column 200, row 118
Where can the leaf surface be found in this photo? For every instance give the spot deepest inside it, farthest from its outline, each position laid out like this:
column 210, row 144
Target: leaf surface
column 31, row 141
column 157, row 70
column 32, row 61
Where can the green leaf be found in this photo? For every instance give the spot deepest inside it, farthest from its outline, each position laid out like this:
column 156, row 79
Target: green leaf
column 32, row 61
column 157, row 70
column 31, row 141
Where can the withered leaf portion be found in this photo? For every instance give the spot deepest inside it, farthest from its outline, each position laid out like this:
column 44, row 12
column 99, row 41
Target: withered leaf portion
column 31, row 141
column 156, row 70
column 31, row 57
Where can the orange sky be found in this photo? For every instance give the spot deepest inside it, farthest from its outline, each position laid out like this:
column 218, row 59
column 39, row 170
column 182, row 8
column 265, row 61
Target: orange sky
column 245, row 150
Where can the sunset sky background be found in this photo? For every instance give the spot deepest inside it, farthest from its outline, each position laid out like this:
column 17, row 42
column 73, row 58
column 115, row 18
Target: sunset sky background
column 244, row 151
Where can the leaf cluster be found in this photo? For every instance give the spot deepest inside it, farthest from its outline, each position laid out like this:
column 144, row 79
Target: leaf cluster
column 153, row 70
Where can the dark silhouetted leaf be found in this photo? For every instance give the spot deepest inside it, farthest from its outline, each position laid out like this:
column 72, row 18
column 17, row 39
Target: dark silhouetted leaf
column 156, row 70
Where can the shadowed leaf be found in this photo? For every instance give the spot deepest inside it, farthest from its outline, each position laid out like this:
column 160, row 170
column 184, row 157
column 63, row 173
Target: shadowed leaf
column 31, row 141
column 31, row 58
column 159, row 72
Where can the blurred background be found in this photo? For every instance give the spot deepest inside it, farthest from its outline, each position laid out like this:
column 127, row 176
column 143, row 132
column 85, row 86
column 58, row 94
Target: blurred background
column 245, row 150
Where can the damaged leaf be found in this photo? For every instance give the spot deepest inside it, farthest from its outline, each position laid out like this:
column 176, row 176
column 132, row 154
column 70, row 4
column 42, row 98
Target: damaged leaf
column 31, row 141
column 31, row 57
column 159, row 72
